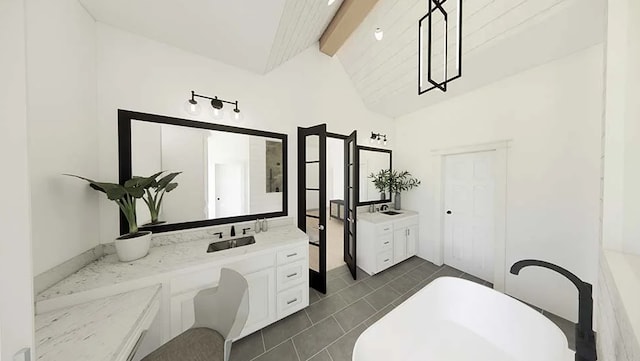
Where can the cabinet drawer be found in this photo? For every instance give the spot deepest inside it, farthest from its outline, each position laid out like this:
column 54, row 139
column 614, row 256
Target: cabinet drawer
column 292, row 300
column 291, row 274
column 384, row 242
column 292, row 254
column 384, row 228
column 384, row 260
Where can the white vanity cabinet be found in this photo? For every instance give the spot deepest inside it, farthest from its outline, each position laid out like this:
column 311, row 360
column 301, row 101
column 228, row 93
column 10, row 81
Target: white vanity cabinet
column 278, row 286
column 385, row 240
column 405, row 238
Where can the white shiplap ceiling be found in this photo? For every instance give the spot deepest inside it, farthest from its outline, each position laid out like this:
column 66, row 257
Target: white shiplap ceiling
column 500, row 38
column 256, row 35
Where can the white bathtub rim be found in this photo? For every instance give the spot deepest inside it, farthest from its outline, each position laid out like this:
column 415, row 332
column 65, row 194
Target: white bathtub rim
column 569, row 354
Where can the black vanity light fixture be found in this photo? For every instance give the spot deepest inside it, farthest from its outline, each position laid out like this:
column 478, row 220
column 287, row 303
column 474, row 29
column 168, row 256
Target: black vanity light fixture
column 192, row 107
column 379, row 138
column 435, row 13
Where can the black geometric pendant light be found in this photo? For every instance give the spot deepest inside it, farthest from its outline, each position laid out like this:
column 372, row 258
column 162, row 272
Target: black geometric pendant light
column 435, row 44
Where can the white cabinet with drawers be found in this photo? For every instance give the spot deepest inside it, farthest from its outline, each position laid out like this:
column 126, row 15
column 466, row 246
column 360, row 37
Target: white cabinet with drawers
column 385, row 240
column 278, row 286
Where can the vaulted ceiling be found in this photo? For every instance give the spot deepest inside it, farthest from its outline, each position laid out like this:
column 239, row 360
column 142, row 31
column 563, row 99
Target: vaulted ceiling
column 257, row 35
column 500, row 38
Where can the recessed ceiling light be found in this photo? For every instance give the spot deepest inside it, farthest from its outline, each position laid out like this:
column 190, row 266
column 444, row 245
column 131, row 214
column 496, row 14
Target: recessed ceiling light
column 331, row 2
column 378, row 34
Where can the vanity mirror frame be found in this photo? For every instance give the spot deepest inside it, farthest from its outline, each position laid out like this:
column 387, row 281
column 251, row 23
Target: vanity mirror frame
column 372, row 149
column 125, row 172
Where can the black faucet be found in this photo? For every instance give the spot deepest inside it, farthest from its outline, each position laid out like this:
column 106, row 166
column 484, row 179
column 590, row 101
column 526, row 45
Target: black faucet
column 585, row 337
column 219, row 234
column 384, row 207
column 244, row 230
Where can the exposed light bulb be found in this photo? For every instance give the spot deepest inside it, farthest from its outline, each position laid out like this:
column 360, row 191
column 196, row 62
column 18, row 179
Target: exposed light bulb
column 192, row 107
column 378, row 34
column 236, row 115
column 330, row 2
column 218, row 114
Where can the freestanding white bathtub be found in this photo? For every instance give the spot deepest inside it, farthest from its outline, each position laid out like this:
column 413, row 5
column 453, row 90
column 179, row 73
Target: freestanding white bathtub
column 452, row 319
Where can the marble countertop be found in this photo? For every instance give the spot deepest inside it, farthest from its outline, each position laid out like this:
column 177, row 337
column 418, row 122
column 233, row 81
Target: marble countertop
column 92, row 330
column 378, row 217
column 170, row 258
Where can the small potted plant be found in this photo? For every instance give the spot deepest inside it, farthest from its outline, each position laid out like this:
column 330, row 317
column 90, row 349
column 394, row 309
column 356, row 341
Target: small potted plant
column 154, row 194
column 135, row 244
column 401, row 182
column 381, row 181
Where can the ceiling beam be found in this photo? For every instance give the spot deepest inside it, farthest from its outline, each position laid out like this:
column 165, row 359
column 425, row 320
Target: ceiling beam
column 347, row 19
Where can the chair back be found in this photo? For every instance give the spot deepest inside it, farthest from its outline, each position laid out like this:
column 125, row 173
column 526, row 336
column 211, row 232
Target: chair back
column 226, row 307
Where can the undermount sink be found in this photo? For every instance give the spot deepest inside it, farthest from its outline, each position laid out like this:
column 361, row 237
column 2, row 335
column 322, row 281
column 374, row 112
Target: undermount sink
column 391, row 213
column 231, row 243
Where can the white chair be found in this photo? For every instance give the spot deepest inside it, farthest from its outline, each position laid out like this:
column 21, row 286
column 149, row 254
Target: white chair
column 220, row 315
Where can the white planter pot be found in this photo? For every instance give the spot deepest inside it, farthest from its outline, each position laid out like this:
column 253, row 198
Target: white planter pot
column 131, row 249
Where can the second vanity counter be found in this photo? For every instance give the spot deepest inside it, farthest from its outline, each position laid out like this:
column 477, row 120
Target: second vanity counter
column 108, row 276
column 379, row 217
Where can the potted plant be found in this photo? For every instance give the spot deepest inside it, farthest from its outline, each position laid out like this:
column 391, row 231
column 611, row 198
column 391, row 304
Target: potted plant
column 400, row 182
column 154, row 194
column 135, row 244
column 381, row 181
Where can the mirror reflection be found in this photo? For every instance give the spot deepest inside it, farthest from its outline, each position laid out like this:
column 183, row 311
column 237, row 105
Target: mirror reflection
column 223, row 174
column 373, row 162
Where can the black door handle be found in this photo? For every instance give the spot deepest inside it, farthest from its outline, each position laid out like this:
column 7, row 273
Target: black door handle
column 449, row 212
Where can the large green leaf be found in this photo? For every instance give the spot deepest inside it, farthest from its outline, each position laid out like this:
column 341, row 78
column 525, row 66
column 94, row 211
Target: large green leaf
column 113, row 191
column 135, row 192
column 171, row 186
column 166, row 180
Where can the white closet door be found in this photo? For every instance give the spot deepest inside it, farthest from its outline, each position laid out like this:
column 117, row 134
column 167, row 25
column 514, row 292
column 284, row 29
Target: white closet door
column 469, row 224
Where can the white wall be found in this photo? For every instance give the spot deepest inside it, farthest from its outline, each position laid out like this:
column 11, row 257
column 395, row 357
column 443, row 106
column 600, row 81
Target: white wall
column 621, row 193
column 184, row 150
column 16, row 273
column 553, row 115
column 621, row 229
column 135, row 73
column 63, row 135
column 146, row 158
column 335, row 169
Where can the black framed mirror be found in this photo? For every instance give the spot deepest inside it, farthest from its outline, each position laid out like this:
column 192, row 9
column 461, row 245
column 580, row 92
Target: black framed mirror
column 372, row 161
column 228, row 174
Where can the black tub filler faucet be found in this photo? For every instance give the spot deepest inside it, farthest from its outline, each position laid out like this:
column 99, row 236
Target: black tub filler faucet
column 585, row 337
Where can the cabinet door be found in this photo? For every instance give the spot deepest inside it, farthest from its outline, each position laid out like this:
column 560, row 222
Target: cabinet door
column 412, row 241
column 262, row 300
column 182, row 312
column 399, row 245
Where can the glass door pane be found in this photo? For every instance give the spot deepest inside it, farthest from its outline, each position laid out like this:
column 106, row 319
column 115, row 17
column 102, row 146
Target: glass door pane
column 312, row 199
column 351, row 201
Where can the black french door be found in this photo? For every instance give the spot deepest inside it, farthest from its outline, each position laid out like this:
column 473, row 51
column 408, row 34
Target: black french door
column 351, row 184
column 312, row 199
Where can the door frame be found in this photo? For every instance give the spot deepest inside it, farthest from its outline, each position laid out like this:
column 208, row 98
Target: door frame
column 317, row 279
column 500, row 203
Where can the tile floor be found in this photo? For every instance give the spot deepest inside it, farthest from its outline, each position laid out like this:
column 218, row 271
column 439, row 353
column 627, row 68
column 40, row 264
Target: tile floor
column 328, row 329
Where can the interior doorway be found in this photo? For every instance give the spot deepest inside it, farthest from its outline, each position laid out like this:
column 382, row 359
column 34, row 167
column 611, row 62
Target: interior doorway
column 326, row 200
column 229, row 193
column 469, row 223
column 335, row 201
column 444, row 228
